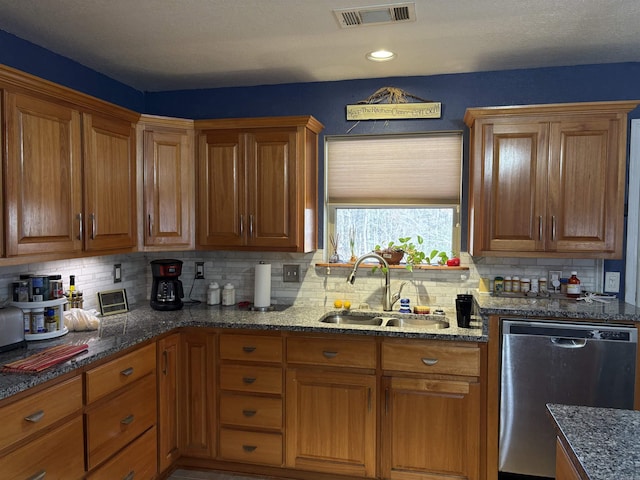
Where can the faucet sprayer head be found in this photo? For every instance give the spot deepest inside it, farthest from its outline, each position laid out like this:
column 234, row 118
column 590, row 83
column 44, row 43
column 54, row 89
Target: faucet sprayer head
column 351, row 278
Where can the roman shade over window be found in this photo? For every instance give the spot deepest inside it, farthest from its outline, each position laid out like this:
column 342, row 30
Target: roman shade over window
column 417, row 169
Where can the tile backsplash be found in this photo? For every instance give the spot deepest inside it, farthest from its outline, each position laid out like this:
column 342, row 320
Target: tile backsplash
column 319, row 286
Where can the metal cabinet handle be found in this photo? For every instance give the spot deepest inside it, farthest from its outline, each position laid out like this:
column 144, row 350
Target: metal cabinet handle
column 250, row 226
column 540, row 231
column 128, row 420
column 241, row 225
column 93, row 226
column 249, row 413
column 150, row 226
column 429, row 361
column 248, row 380
column 553, row 228
column 369, row 399
column 328, row 354
column 248, row 349
column 127, row 372
column 130, row 475
column 81, row 227
column 35, row 417
column 249, row 448
column 38, row 476
column 165, row 362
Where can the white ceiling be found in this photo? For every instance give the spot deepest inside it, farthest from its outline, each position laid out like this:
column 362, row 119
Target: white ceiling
column 156, row 45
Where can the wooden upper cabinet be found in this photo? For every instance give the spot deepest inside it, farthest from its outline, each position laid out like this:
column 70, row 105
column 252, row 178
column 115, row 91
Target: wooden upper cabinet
column 257, row 183
column 548, row 180
column 109, row 183
column 43, row 182
column 168, row 179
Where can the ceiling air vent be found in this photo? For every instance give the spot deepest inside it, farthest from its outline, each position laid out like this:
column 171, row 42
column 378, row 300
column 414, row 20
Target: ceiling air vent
column 376, row 15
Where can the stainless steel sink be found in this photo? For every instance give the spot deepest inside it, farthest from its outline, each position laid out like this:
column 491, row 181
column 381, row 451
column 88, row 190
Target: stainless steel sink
column 347, row 319
column 436, row 322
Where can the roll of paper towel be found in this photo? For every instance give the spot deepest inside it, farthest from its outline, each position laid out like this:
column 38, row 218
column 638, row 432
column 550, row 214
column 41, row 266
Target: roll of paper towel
column 262, row 291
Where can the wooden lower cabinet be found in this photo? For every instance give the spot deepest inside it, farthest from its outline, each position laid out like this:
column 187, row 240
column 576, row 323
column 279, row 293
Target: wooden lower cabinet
column 565, row 469
column 138, row 461
column 331, row 422
column 55, row 455
column 197, row 394
column 169, row 372
column 430, row 429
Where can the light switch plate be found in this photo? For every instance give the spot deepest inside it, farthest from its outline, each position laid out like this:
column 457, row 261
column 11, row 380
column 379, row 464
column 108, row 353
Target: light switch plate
column 291, row 273
column 612, row 282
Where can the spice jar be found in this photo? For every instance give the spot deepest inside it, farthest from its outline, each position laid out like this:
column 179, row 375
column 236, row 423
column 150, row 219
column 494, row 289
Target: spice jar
column 525, row 285
column 498, row 285
column 515, row 281
column 542, row 283
column 508, row 284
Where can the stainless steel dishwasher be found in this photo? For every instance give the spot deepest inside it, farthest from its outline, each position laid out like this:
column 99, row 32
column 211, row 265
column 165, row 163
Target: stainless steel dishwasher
column 554, row 362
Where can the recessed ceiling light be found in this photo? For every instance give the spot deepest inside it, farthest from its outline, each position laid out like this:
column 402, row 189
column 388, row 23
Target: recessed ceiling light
column 381, row 56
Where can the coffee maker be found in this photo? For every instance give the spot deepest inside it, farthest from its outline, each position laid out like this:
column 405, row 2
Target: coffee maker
column 166, row 290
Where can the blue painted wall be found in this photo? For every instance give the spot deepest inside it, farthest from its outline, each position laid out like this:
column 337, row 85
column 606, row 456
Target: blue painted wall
column 326, row 101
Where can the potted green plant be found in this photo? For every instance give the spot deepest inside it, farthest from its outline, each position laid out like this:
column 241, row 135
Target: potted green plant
column 394, row 252
column 437, row 257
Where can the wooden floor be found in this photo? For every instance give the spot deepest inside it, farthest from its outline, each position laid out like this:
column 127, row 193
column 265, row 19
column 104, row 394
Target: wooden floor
column 182, row 474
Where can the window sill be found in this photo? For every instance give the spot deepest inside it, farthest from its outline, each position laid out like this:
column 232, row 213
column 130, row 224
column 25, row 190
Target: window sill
column 392, row 267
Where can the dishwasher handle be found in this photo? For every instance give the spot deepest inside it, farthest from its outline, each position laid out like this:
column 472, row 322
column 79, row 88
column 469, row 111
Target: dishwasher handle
column 564, row 342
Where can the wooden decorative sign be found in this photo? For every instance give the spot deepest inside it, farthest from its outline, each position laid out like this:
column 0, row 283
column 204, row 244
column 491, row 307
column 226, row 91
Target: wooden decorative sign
column 393, row 111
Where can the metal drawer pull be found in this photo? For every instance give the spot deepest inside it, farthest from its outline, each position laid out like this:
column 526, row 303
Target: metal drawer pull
column 248, row 349
column 38, row 476
column 249, row 448
column 328, row 354
column 127, row 372
column 81, row 229
column 35, row 417
column 128, row 420
column 130, row 475
column 249, row 413
column 429, row 361
column 248, row 380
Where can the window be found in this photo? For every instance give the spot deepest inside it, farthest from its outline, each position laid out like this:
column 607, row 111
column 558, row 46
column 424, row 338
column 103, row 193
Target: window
column 381, row 188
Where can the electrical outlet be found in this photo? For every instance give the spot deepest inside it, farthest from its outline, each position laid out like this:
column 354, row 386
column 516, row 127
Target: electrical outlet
column 199, row 270
column 291, row 273
column 117, row 273
column 612, row 282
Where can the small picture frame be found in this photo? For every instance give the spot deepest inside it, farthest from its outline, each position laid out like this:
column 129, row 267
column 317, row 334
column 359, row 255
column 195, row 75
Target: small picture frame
column 113, row 301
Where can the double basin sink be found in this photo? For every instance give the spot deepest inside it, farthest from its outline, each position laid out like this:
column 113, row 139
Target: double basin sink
column 427, row 322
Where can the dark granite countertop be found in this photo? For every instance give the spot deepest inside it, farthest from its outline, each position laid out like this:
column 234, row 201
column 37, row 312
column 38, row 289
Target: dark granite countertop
column 561, row 308
column 119, row 332
column 605, row 441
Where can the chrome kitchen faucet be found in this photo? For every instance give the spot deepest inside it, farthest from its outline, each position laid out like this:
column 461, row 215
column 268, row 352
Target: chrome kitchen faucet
column 388, row 300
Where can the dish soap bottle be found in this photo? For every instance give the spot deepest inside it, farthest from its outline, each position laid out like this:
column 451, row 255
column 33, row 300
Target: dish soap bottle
column 573, row 286
column 213, row 294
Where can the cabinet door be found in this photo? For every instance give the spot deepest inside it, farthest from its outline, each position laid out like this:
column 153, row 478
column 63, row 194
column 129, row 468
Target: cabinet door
column 565, row 469
column 331, row 422
column 197, row 395
column 430, row 427
column 110, row 183
column 586, row 193
column 168, row 188
column 168, row 405
column 43, row 183
column 221, row 189
column 513, row 186
column 272, row 188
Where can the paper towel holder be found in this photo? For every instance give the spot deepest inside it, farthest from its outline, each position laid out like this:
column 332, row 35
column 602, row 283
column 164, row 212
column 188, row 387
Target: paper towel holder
column 253, row 308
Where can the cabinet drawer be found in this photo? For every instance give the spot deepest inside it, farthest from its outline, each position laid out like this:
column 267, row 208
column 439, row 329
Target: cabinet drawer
column 137, row 461
column 36, row 412
column 424, row 357
column 114, row 424
column 251, row 378
column 58, row 454
column 251, row 447
column 250, row 411
column 334, row 351
column 254, row 348
column 120, row 372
